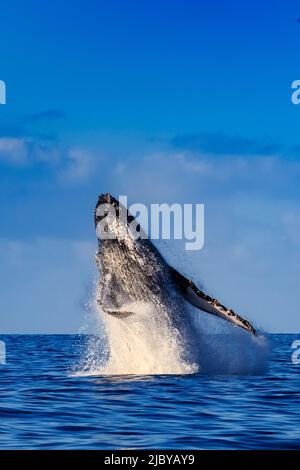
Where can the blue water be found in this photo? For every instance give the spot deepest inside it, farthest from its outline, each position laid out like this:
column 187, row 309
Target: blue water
column 42, row 406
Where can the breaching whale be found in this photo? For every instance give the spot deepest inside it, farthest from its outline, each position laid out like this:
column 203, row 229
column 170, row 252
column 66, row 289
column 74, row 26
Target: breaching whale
column 133, row 270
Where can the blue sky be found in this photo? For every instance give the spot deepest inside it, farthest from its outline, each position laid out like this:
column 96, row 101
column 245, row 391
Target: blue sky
column 163, row 101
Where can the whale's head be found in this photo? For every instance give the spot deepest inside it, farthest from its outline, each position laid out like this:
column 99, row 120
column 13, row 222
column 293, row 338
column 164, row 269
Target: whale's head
column 131, row 268
column 113, row 221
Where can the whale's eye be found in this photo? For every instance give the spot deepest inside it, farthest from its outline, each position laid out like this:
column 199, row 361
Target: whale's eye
column 105, row 212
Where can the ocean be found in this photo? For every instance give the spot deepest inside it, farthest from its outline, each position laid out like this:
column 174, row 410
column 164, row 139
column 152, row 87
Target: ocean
column 46, row 403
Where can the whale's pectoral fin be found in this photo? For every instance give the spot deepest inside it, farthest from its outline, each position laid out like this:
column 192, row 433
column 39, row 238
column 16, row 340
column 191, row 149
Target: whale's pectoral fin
column 202, row 301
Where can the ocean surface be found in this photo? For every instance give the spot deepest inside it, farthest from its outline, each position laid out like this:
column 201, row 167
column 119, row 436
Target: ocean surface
column 45, row 405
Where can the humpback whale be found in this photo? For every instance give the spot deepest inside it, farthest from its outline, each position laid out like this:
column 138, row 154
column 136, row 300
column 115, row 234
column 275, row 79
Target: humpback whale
column 133, row 270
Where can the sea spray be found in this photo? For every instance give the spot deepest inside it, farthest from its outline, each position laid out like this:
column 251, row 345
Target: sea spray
column 147, row 343
column 225, row 349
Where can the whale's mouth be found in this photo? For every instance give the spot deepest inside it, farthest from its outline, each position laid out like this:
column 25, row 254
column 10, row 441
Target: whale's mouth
column 107, row 198
column 108, row 206
column 104, row 202
column 120, row 313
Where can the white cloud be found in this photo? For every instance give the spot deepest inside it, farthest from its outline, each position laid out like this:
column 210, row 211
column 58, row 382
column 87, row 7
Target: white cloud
column 13, row 151
column 23, row 151
column 192, row 164
column 80, row 166
column 73, row 165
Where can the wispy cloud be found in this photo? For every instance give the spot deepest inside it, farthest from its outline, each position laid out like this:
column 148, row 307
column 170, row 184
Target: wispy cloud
column 80, row 166
column 179, row 174
column 13, row 151
column 218, row 143
column 22, row 145
column 20, row 151
column 48, row 115
column 72, row 165
column 25, row 125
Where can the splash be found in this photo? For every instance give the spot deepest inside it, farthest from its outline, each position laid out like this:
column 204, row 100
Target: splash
column 228, row 350
column 147, row 343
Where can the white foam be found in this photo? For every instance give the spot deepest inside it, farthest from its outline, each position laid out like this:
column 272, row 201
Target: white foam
column 146, row 343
